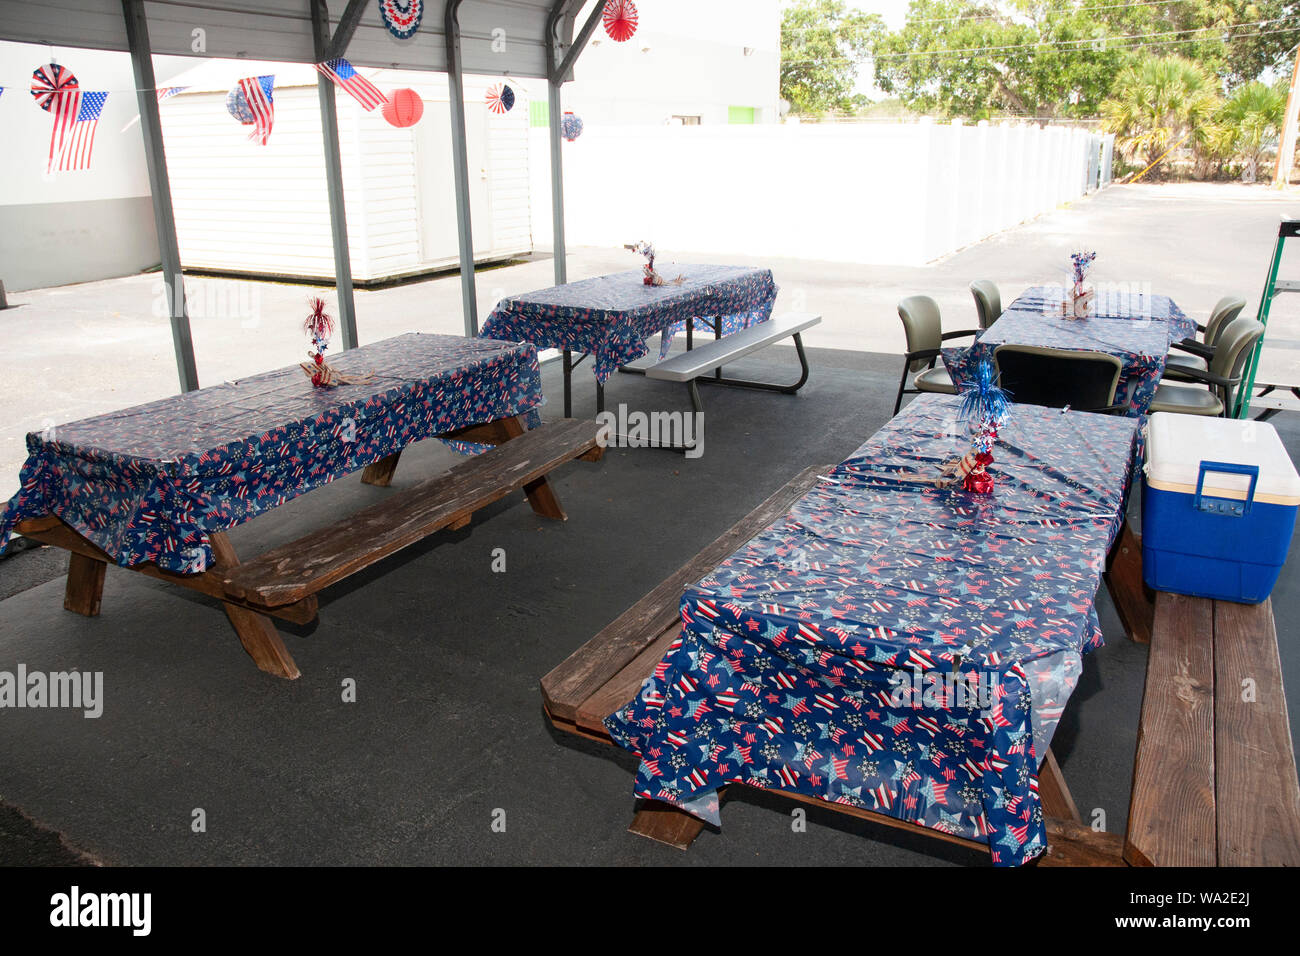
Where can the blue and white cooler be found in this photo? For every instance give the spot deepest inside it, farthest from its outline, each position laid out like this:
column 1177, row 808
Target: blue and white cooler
column 1219, row 501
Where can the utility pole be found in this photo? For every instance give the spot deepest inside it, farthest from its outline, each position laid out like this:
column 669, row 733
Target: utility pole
column 1290, row 124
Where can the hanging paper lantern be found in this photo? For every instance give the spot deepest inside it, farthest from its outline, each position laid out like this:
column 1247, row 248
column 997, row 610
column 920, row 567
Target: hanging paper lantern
column 571, row 126
column 620, row 19
column 237, row 106
column 49, row 82
column 402, row 17
column 404, row 108
column 500, row 99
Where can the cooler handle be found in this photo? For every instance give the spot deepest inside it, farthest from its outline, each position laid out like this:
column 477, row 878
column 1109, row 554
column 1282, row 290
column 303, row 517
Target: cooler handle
column 1225, row 506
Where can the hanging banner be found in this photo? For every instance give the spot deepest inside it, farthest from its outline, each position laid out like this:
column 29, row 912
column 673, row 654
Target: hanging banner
column 254, row 105
column 401, row 18
column 357, row 86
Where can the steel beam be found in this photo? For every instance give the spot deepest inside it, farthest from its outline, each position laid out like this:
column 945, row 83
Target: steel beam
column 329, row 123
column 346, row 27
column 460, row 157
column 164, row 216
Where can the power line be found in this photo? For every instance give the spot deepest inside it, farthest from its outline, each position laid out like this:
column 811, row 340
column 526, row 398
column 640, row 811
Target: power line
column 1107, row 43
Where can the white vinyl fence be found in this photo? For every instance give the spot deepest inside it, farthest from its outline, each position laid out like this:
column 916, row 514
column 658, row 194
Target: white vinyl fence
column 895, row 193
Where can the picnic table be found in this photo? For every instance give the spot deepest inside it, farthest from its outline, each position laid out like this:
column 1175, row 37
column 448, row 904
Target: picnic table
column 1136, row 328
column 609, row 318
column 154, row 488
column 793, row 651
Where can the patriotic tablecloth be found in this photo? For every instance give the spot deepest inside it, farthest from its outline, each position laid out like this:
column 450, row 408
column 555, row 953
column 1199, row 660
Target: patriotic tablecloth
column 1113, row 303
column 798, row 654
column 611, row 316
column 149, row 483
column 1141, row 347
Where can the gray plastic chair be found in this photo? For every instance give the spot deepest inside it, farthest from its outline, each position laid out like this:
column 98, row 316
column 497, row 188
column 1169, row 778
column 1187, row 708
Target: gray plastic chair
column 988, row 301
column 1198, row 354
column 925, row 338
column 1221, row 380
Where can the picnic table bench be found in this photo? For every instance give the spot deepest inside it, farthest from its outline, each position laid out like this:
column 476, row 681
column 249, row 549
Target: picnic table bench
column 1214, row 780
column 608, row 670
column 154, row 488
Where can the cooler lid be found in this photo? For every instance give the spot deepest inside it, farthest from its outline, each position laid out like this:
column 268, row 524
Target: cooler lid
column 1178, row 444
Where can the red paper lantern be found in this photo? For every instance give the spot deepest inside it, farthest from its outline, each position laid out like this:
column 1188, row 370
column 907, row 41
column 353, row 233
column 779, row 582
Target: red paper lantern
column 404, row 108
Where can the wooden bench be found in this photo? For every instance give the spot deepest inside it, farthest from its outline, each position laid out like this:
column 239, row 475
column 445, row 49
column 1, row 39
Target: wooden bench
column 284, row 582
column 606, row 672
column 1214, row 782
column 694, row 364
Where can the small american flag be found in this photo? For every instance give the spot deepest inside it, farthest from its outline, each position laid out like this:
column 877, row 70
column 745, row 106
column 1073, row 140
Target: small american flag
column 258, row 92
column 167, row 91
column 80, row 141
column 362, row 90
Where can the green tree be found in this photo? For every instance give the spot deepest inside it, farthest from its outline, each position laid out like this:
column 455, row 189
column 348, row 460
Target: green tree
column 1039, row 58
column 1251, row 120
column 823, row 44
column 1050, row 58
column 1158, row 103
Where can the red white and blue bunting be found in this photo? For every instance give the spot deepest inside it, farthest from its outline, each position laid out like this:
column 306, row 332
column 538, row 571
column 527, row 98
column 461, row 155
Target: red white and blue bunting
column 401, row 18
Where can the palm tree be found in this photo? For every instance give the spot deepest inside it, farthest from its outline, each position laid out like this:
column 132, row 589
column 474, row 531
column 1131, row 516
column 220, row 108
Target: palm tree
column 1251, row 119
column 1157, row 103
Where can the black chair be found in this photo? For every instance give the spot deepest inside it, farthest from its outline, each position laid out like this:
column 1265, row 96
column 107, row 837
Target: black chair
column 1085, row 381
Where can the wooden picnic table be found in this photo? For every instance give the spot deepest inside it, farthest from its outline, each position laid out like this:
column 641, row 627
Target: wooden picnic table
column 156, row 487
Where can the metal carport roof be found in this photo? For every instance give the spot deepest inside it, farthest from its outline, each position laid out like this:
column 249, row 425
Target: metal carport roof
column 522, row 38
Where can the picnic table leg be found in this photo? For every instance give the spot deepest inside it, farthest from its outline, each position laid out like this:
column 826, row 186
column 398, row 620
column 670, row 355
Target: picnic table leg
column 85, row 587
column 256, row 632
column 1135, row 607
column 665, row 824
column 1052, row 791
column 380, row 473
column 568, row 383
column 540, row 493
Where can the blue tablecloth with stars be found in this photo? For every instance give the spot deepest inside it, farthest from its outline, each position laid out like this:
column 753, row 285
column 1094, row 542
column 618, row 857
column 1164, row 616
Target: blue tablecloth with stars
column 610, row 317
column 1135, row 327
column 893, row 645
column 148, row 484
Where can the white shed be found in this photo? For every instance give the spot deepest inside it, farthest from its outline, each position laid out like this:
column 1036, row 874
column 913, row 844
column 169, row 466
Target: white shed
column 245, row 208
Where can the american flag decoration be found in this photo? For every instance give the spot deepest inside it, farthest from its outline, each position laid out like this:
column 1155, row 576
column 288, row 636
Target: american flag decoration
column 56, row 91
column 401, row 18
column 500, row 99
column 80, row 141
column 169, row 91
column 258, row 92
column 620, row 19
column 357, row 86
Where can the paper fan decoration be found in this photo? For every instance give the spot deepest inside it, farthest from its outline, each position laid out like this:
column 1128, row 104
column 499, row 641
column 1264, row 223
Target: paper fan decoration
column 49, row 82
column 500, row 99
column 571, row 126
column 402, row 17
column 620, row 19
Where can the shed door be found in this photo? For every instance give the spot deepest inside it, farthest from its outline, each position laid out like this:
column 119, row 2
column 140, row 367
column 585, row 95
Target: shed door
column 437, row 182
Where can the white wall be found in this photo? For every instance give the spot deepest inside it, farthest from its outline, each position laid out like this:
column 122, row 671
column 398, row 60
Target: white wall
column 889, row 193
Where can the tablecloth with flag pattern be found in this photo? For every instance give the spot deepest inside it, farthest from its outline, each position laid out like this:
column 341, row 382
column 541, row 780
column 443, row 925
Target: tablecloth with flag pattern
column 148, row 484
column 796, row 654
column 610, row 317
